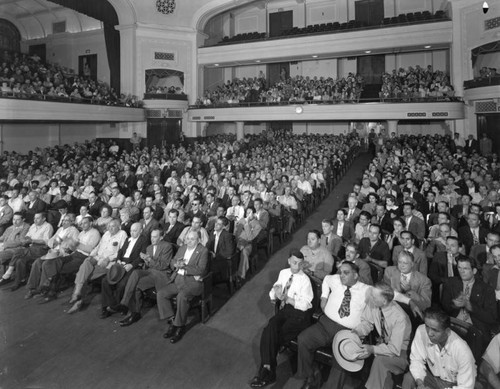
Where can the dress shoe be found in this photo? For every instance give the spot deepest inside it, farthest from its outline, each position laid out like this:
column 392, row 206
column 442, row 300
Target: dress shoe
column 131, row 319
column 105, row 313
column 48, row 298
column 263, row 378
column 122, row 309
column 76, row 307
column 5, row 281
column 170, row 332
column 31, row 293
column 74, row 298
column 17, row 286
column 178, row 334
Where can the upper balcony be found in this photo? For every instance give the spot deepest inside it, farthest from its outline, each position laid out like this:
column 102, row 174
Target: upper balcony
column 404, row 38
column 17, row 109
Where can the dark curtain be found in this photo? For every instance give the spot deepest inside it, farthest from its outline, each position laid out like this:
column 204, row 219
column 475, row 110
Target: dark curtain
column 152, row 75
column 484, row 49
column 103, row 11
column 112, row 39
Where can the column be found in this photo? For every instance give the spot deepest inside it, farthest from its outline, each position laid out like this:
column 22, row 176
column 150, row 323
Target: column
column 392, row 126
column 240, row 130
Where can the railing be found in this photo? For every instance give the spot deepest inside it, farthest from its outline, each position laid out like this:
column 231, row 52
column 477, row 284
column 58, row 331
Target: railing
column 482, row 82
column 328, row 28
column 164, row 96
column 329, row 102
column 63, row 99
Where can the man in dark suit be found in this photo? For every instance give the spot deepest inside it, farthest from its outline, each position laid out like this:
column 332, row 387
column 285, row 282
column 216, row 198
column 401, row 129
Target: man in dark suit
column 128, row 258
column 469, row 298
column 342, row 227
column 413, row 223
column 148, row 223
column 156, row 274
column 407, row 240
column 222, row 246
column 461, row 211
column 444, row 265
column 470, row 145
column 127, row 180
column 411, row 288
column 473, row 233
column 430, row 206
column 490, row 274
column 482, row 252
column 352, row 209
column 190, row 264
column 173, row 228
column 34, row 206
column 383, row 219
column 373, row 249
column 95, row 205
column 210, row 206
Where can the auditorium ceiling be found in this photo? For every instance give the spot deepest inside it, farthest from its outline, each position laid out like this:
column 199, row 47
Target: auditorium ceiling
column 36, row 18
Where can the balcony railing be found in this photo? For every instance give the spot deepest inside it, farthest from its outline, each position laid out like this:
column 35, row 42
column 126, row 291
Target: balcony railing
column 482, row 82
column 165, row 96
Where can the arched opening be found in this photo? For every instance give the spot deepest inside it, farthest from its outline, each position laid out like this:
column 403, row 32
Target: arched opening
column 10, row 37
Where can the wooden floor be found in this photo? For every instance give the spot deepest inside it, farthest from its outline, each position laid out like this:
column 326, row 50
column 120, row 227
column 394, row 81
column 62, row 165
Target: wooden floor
column 43, row 347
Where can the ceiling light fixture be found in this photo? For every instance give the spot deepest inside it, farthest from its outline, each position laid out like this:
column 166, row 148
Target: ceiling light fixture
column 315, row 56
column 368, row 51
column 427, row 47
column 257, row 60
column 216, row 64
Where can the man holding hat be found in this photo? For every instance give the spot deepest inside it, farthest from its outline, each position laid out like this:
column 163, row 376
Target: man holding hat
column 390, row 351
column 343, row 302
column 293, row 292
column 128, row 258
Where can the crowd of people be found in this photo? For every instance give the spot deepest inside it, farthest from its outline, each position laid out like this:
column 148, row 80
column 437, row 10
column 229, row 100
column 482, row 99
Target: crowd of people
column 153, row 217
column 297, row 89
column 413, row 257
column 27, row 76
column 416, row 84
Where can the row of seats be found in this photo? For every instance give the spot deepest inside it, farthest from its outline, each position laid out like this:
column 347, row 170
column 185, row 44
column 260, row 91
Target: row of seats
column 409, row 18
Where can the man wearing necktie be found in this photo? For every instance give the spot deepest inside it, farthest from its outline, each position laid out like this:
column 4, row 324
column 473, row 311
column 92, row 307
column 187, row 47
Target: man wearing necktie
column 293, row 291
column 155, row 274
column 390, row 354
column 469, row 298
column 342, row 301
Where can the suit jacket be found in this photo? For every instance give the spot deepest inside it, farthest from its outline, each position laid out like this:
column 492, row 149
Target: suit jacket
column 37, row 207
column 146, row 229
column 161, row 259
column 482, row 299
column 380, row 251
column 418, row 255
column 438, row 271
column 385, row 223
column 465, row 235
column 198, row 264
column 420, row 286
column 347, row 231
column 95, row 209
column 478, row 252
column 226, row 246
column 417, row 227
column 334, row 243
column 134, row 259
column 470, row 146
column 174, row 233
column 126, row 226
column 6, row 215
column 210, row 211
column 355, row 215
column 490, row 275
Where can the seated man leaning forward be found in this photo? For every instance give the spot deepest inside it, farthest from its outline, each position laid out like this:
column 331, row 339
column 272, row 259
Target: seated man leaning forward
column 439, row 358
column 190, row 264
column 342, row 301
column 390, row 355
column 294, row 293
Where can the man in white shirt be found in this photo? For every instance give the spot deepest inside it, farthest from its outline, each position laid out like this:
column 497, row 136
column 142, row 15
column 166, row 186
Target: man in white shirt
column 36, row 241
column 294, row 293
column 342, row 301
column 439, row 357
column 99, row 260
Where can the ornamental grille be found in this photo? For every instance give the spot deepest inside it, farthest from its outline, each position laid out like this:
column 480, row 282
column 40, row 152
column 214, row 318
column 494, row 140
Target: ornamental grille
column 153, row 113
column 492, row 23
column 486, row 106
column 164, row 56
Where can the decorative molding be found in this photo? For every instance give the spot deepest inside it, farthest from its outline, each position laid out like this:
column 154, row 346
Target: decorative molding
column 165, row 7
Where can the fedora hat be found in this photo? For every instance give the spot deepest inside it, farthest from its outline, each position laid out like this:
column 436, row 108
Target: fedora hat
column 346, row 348
column 115, row 274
